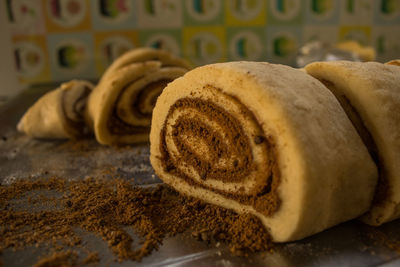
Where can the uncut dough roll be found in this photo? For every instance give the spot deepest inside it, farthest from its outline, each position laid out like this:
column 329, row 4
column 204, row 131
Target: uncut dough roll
column 395, row 62
column 370, row 95
column 265, row 139
column 59, row 113
column 120, row 107
column 365, row 53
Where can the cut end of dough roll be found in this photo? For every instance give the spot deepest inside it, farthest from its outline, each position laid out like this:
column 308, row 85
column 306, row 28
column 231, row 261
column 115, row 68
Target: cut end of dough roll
column 59, row 113
column 120, row 107
column 370, row 95
column 263, row 139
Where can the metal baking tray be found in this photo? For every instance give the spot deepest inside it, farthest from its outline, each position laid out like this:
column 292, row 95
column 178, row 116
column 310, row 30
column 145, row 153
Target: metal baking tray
column 348, row 244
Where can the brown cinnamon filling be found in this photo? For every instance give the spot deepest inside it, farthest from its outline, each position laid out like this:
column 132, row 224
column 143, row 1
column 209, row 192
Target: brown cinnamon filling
column 230, row 142
column 382, row 190
column 119, row 127
column 78, row 108
column 236, row 144
column 139, row 108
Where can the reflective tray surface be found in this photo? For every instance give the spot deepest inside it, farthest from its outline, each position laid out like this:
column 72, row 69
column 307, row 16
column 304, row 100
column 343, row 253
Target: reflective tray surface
column 349, row 244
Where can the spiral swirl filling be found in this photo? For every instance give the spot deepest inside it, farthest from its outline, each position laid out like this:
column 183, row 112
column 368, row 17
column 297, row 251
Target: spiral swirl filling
column 74, row 104
column 212, row 141
column 133, row 109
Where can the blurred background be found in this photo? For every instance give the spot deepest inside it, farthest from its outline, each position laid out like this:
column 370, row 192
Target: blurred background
column 45, row 41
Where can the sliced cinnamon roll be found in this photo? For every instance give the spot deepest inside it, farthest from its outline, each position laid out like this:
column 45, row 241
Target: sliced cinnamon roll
column 370, row 95
column 263, row 139
column 59, row 113
column 120, row 107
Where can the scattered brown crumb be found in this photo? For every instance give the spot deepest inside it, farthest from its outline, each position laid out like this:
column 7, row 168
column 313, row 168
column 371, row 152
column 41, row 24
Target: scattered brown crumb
column 108, row 171
column 107, row 207
column 61, row 259
column 92, row 258
column 81, row 145
column 122, row 147
column 379, row 237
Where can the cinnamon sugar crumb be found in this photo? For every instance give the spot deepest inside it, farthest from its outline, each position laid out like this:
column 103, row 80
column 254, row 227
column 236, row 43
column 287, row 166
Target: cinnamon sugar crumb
column 61, row 259
column 92, row 258
column 106, row 208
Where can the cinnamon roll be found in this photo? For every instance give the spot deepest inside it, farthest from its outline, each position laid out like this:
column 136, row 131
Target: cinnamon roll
column 263, row 139
column 370, row 95
column 120, row 107
column 59, row 113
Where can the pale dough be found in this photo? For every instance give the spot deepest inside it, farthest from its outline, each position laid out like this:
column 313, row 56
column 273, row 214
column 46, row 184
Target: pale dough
column 144, row 54
column 373, row 90
column 58, row 113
